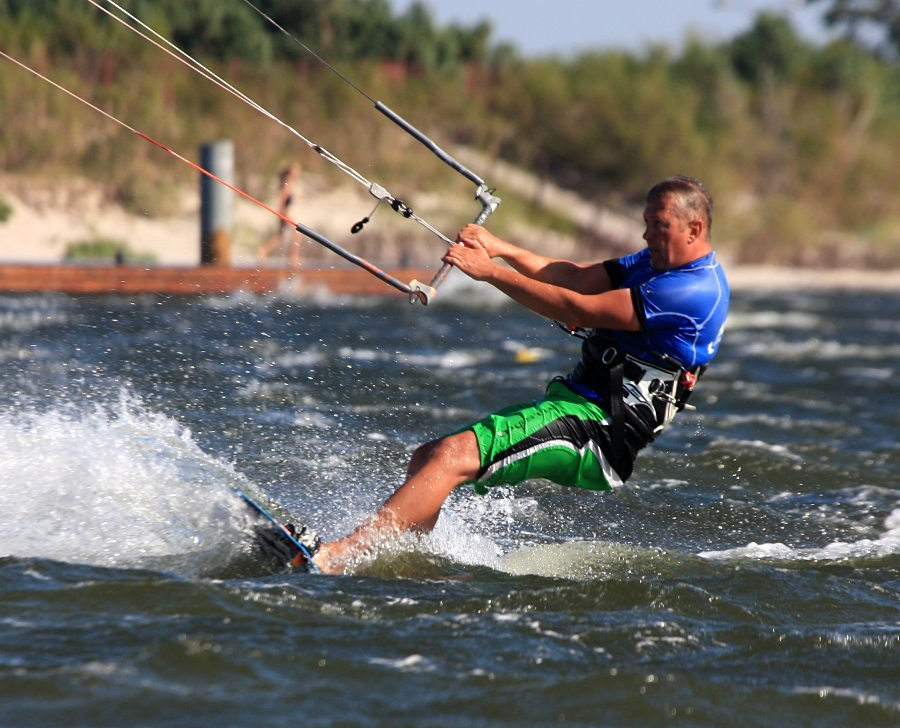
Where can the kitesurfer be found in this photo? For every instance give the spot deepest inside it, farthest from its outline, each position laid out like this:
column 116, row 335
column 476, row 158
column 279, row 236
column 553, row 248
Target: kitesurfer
column 651, row 322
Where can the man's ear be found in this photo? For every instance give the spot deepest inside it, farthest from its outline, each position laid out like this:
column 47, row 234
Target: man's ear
column 696, row 227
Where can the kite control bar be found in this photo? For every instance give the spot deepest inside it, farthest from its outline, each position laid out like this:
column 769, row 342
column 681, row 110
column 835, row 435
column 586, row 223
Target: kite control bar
column 489, row 203
column 485, row 196
column 415, row 289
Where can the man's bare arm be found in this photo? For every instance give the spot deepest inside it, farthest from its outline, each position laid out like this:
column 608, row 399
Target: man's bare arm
column 579, row 277
column 610, row 309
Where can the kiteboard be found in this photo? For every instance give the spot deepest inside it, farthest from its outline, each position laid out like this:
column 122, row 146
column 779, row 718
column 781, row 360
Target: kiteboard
column 278, row 544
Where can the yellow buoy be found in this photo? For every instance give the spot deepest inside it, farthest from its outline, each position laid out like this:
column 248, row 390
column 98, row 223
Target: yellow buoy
column 527, row 356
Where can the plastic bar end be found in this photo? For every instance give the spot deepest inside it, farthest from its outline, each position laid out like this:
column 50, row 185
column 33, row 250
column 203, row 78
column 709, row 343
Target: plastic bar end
column 421, row 292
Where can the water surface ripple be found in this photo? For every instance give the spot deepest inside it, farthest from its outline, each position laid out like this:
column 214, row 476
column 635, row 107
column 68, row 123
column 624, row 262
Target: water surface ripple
column 750, row 572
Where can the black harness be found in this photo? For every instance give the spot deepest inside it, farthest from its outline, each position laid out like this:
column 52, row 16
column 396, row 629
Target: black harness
column 659, row 393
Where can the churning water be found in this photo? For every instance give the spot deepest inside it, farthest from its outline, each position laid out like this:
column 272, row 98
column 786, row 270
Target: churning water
column 750, row 571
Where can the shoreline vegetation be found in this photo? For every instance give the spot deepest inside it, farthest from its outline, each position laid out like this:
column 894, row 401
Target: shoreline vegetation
column 797, row 142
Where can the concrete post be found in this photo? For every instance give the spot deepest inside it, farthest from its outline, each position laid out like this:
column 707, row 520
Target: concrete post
column 216, row 203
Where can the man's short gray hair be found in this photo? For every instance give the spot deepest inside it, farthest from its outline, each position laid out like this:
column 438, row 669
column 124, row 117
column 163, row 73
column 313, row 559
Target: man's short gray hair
column 692, row 198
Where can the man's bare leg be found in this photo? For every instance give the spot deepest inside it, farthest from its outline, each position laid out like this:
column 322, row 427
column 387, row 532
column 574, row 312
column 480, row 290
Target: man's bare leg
column 435, row 469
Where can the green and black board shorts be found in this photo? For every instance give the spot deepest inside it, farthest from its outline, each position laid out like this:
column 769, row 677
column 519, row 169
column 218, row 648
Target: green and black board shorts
column 560, row 438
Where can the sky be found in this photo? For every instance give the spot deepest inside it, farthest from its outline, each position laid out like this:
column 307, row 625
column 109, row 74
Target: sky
column 566, row 27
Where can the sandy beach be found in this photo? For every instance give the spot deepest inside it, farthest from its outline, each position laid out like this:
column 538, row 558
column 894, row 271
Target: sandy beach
column 45, row 219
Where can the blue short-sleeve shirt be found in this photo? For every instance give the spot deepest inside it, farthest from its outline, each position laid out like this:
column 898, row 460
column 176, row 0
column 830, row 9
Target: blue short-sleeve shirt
column 682, row 312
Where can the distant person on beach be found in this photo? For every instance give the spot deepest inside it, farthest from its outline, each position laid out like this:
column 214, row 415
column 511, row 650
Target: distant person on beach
column 651, row 322
column 285, row 237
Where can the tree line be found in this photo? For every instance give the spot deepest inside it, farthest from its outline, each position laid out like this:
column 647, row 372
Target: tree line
column 232, row 29
column 798, row 141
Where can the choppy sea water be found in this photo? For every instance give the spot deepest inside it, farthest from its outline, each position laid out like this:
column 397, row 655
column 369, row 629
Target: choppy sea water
column 748, row 574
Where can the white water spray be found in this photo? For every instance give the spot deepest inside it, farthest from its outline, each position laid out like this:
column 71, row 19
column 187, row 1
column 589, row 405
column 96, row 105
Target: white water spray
column 119, row 486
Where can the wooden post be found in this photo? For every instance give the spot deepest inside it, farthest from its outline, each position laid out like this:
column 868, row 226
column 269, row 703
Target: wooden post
column 216, row 203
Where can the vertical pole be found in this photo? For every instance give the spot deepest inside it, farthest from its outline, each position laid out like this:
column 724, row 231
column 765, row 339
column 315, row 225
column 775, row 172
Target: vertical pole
column 216, row 202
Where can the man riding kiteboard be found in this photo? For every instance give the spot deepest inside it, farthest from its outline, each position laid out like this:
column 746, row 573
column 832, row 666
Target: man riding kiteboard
column 651, row 322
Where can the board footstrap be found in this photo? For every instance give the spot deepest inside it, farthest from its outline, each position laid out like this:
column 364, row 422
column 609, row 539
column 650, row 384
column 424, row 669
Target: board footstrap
column 282, row 545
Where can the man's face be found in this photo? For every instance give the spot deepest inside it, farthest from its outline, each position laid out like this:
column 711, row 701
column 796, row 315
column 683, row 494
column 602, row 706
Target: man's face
column 667, row 236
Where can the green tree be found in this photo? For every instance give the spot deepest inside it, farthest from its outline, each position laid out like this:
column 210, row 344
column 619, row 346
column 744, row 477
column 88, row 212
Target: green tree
column 871, row 23
column 209, row 28
column 771, row 48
